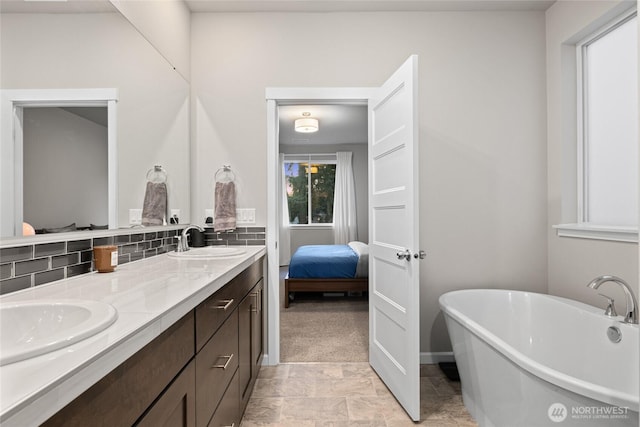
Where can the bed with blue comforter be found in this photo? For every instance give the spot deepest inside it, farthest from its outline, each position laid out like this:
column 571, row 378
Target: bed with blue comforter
column 328, row 268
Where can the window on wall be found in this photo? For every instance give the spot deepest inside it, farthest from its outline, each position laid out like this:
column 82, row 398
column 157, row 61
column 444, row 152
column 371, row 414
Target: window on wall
column 608, row 125
column 310, row 184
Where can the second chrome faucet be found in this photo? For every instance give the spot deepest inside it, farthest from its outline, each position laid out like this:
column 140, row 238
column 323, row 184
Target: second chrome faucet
column 631, row 315
column 183, row 243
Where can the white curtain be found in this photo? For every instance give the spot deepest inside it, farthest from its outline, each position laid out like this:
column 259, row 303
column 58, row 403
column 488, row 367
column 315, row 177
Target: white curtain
column 345, row 223
column 285, row 233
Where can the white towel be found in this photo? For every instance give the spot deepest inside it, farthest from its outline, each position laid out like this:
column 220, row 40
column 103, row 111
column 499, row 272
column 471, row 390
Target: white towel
column 225, row 209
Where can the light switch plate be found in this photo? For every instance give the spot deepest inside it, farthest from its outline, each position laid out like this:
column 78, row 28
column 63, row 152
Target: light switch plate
column 246, row 216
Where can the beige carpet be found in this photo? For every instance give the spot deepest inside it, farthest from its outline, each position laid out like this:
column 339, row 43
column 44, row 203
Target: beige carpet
column 325, row 329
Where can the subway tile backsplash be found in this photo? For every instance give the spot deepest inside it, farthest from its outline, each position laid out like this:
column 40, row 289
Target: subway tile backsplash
column 241, row 236
column 36, row 264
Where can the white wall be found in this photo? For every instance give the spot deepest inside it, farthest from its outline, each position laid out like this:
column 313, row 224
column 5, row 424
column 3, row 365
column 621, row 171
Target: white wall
column 103, row 50
column 166, row 25
column 575, row 262
column 65, row 169
column 300, row 236
column 482, row 126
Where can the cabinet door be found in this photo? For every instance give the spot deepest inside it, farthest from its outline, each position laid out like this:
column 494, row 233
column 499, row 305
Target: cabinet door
column 257, row 337
column 177, row 405
column 244, row 346
column 250, row 342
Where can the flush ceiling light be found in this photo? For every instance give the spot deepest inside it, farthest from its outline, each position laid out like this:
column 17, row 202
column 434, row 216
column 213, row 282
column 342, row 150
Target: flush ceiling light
column 307, row 124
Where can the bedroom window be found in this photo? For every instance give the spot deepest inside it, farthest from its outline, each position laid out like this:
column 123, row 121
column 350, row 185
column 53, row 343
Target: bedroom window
column 608, row 125
column 310, row 184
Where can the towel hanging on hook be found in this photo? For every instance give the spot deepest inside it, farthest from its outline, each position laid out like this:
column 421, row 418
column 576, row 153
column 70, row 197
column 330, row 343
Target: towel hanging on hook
column 225, row 199
column 154, row 206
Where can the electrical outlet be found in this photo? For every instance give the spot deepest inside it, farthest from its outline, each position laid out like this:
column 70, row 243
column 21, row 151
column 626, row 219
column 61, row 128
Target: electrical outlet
column 251, row 216
column 135, row 216
column 174, row 217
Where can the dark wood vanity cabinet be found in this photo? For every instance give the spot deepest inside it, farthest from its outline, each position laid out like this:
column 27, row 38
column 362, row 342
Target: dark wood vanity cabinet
column 225, row 334
column 198, row 373
column 121, row 397
column 251, row 341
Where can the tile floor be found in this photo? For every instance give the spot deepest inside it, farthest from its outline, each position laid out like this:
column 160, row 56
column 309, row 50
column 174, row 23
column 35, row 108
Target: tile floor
column 347, row 394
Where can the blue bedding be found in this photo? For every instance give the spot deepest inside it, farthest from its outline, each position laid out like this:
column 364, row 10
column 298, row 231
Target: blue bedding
column 323, row 261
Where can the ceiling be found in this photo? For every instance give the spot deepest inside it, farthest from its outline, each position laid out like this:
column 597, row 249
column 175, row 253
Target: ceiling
column 338, row 124
column 96, row 6
column 97, row 115
column 362, row 5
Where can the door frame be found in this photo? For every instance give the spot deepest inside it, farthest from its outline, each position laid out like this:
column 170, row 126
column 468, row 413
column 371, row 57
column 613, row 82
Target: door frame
column 276, row 97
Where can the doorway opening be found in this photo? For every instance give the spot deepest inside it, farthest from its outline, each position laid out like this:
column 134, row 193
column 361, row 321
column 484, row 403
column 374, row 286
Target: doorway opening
column 276, row 98
column 322, row 324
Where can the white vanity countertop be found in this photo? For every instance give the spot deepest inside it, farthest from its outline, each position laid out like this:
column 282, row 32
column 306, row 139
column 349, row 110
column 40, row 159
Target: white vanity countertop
column 150, row 295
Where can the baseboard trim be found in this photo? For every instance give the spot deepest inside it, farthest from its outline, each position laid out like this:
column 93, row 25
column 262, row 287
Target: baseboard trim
column 266, row 361
column 430, row 358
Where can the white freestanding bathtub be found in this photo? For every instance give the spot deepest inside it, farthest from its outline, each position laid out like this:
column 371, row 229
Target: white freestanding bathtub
column 528, row 359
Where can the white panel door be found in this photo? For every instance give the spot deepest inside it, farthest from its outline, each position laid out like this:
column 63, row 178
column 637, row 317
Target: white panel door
column 394, row 273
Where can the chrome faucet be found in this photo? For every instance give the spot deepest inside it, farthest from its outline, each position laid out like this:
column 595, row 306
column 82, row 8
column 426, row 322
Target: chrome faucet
column 183, row 243
column 632, row 302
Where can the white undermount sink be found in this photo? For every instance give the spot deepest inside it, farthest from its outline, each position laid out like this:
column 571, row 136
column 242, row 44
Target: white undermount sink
column 208, row 252
column 33, row 328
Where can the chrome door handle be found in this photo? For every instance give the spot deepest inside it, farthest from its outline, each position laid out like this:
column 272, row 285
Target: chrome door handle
column 420, row 254
column 404, row 255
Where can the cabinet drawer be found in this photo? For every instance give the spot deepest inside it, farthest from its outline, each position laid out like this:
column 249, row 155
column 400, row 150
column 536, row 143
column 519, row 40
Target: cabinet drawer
column 249, row 277
column 214, row 310
column 216, row 364
column 227, row 414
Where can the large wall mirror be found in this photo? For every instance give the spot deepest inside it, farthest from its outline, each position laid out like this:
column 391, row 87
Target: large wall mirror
column 41, row 50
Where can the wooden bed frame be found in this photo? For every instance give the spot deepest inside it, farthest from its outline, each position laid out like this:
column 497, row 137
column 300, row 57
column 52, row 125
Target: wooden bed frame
column 323, row 285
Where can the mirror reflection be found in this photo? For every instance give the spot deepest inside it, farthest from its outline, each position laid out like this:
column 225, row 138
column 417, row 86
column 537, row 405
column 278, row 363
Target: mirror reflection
column 43, row 51
column 61, row 144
